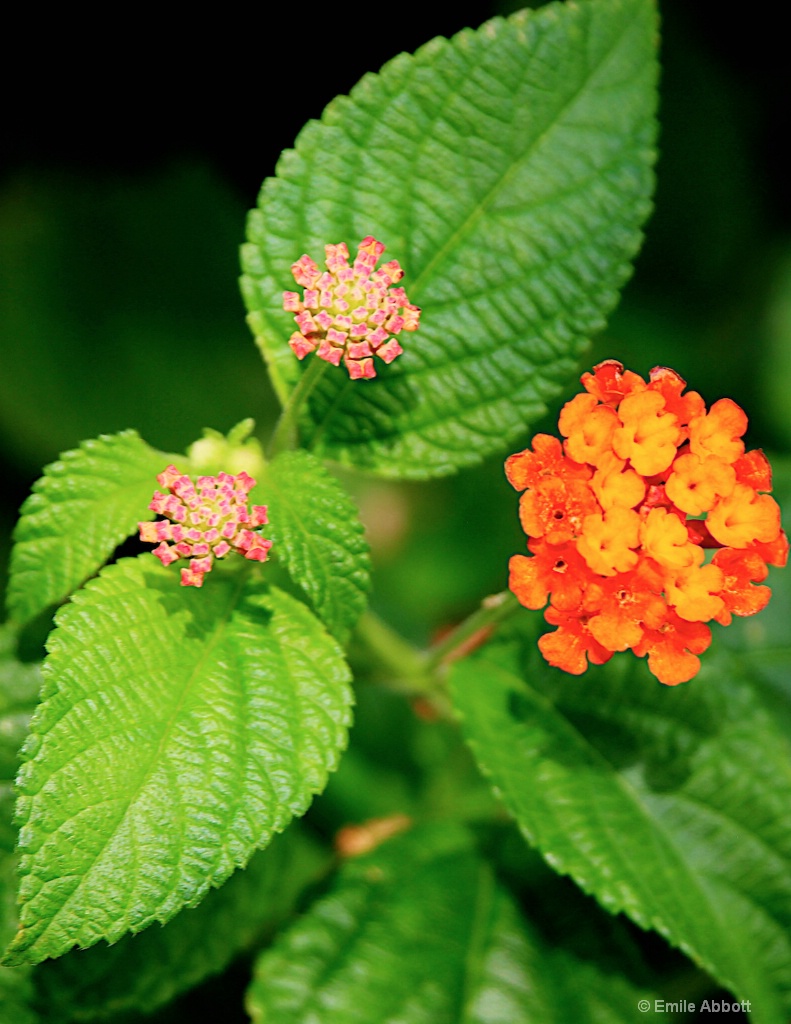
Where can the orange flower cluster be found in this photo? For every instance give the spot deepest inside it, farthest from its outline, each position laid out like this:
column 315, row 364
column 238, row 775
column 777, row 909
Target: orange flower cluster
column 620, row 516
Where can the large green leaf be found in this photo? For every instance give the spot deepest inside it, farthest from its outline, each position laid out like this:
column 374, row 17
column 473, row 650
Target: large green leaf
column 318, row 536
column 19, row 686
column 509, row 171
column 84, row 506
column 672, row 805
column 179, row 729
column 418, row 932
column 142, row 972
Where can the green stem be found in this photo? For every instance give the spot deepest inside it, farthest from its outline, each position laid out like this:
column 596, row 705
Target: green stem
column 286, row 433
column 399, row 660
column 482, row 621
column 412, row 672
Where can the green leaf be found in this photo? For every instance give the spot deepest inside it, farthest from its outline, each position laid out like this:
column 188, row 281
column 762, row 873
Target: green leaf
column 319, row 538
column 509, row 171
column 671, row 805
column 178, row 730
column 83, row 507
column 19, row 686
column 145, row 971
column 419, row 932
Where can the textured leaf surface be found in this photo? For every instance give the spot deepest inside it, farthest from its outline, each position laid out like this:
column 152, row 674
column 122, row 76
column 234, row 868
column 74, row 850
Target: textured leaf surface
column 19, row 686
column 179, row 729
column 419, row 932
column 509, row 171
column 142, row 972
column 84, row 506
column 673, row 805
column 318, row 536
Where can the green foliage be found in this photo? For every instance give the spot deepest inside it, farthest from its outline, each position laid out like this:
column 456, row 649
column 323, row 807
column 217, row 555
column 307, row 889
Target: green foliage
column 86, row 503
column 421, row 931
column 178, row 730
column 509, row 172
column 142, row 972
column 19, row 686
column 318, row 537
column 669, row 805
column 557, row 834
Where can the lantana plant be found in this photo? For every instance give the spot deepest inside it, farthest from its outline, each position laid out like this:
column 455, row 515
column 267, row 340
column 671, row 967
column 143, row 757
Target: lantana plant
column 186, row 756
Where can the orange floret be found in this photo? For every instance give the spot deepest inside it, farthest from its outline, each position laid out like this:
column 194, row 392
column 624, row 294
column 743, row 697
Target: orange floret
column 608, row 541
column 649, row 434
column 694, row 592
column 554, row 570
column 609, row 382
column 753, row 469
column 695, row 483
column 572, row 645
column 665, row 539
column 609, row 516
column 775, row 552
column 673, row 648
column 670, row 385
column 588, row 428
column 622, row 604
column 719, row 431
column 740, row 570
column 555, row 508
column 526, row 468
column 743, row 517
column 615, row 485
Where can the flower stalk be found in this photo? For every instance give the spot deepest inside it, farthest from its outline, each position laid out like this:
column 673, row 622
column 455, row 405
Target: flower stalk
column 286, row 433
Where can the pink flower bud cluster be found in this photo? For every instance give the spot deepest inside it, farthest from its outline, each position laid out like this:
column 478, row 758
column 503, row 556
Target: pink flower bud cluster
column 204, row 521
column 350, row 312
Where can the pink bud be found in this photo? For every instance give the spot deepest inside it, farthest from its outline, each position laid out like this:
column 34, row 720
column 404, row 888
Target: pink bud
column 190, row 578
